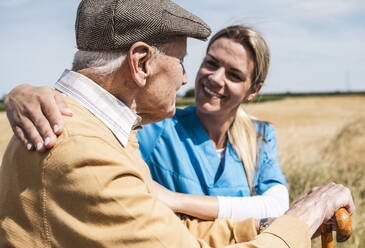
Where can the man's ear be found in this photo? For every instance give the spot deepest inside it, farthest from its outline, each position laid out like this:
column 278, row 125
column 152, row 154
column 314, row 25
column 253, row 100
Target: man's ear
column 254, row 91
column 138, row 56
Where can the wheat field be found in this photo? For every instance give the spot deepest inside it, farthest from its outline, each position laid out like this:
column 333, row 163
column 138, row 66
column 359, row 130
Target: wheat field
column 320, row 139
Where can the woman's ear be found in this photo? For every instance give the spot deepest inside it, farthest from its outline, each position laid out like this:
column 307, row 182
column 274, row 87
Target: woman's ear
column 254, row 91
column 138, row 57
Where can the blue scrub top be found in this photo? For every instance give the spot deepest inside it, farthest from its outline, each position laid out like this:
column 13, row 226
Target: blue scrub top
column 181, row 157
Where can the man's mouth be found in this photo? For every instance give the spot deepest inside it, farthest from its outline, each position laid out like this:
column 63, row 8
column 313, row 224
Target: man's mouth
column 212, row 93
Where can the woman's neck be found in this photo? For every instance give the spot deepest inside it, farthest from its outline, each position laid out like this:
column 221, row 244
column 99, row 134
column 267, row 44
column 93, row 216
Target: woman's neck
column 216, row 126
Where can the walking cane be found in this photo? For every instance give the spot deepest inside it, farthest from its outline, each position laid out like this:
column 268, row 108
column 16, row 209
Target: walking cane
column 344, row 229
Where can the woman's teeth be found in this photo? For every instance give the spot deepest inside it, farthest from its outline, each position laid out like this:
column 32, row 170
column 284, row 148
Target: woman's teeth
column 212, row 93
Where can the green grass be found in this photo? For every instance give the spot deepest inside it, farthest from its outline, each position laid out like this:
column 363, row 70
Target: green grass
column 2, row 108
column 266, row 98
column 183, row 102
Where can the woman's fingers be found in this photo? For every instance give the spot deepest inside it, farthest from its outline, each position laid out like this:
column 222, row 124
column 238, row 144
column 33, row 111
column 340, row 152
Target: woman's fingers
column 40, row 120
column 32, row 137
column 35, row 115
column 57, row 121
column 62, row 106
column 19, row 133
column 50, row 122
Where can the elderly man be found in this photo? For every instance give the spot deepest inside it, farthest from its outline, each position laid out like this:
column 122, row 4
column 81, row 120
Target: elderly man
column 92, row 189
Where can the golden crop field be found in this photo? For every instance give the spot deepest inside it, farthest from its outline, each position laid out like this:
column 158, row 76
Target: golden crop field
column 320, row 139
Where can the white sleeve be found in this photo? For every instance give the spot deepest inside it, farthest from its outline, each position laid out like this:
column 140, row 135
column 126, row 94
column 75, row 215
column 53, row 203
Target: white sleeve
column 273, row 203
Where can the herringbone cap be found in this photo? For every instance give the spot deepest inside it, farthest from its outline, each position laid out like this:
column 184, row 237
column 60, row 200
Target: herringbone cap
column 114, row 25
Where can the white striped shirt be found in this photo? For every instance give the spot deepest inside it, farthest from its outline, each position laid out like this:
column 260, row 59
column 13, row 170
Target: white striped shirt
column 111, row 111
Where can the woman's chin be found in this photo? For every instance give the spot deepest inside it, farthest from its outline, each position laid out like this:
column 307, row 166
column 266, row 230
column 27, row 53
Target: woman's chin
column 212, row 102
column 208, row 107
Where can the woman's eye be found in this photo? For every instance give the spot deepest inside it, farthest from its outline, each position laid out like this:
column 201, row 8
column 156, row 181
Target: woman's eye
column 235, row 77
column 211, row 64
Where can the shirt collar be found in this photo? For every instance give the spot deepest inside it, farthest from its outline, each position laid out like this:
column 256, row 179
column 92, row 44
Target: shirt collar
column 111, row 111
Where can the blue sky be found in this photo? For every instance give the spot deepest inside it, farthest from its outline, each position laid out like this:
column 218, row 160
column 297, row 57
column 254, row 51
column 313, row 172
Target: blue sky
column 316, row 45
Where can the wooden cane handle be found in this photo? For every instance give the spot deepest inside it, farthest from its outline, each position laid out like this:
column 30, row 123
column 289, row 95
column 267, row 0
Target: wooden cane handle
column 344, row 225
column 344, row 229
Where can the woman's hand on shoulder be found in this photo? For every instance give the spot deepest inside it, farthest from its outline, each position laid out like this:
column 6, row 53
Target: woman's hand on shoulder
column 35, row 115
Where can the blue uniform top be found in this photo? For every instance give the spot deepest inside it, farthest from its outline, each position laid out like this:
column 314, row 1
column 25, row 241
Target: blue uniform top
column 181, row 157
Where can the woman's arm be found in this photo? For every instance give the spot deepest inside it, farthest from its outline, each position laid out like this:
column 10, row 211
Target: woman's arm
column 274, row 202
column 200, row 206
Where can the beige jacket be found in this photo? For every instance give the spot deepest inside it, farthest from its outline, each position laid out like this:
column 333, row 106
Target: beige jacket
column 90, row 191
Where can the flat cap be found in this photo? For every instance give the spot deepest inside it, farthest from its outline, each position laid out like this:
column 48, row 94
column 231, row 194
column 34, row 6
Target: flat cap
column 114, row 25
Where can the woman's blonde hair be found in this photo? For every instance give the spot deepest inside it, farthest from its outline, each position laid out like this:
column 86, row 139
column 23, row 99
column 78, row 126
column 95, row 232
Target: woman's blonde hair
column 242, row 133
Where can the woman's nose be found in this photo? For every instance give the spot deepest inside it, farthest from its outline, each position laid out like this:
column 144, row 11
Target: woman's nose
column 218, row 76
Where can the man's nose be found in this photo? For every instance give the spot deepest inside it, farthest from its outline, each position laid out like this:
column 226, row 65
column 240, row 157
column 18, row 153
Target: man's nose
column 185, row 78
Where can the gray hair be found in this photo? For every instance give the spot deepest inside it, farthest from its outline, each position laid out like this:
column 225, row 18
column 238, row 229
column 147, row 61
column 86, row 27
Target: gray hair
column 101, row 62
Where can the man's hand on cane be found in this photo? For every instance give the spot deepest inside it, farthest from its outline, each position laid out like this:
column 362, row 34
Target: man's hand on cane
column 320, row 204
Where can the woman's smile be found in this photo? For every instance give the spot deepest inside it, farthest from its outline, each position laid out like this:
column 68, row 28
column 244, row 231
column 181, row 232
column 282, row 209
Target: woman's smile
column 211, row 93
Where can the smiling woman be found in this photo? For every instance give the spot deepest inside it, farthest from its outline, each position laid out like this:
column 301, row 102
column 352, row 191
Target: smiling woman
column 233, row 70
column 215, row 148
